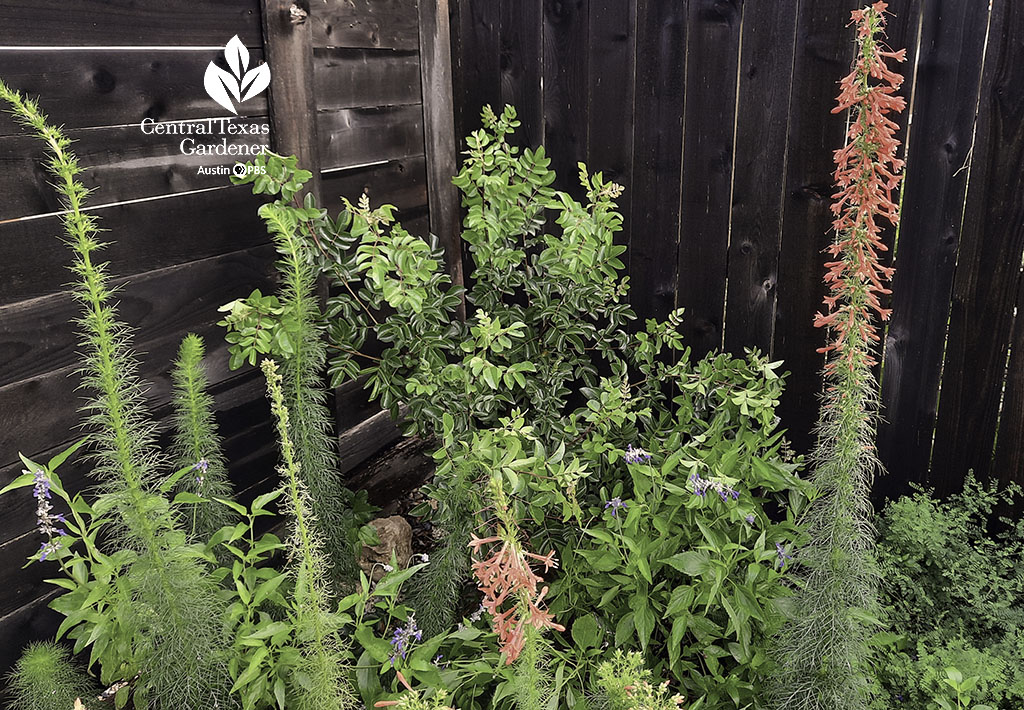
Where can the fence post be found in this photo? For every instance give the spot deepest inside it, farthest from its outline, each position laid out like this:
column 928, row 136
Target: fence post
column 288, row 41
column 439, row 133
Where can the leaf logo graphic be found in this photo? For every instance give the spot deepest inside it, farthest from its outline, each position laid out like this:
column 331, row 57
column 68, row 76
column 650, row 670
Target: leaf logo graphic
column 241, row 83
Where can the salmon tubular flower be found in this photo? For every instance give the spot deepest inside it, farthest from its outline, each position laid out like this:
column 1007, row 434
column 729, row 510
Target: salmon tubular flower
column 867, row 173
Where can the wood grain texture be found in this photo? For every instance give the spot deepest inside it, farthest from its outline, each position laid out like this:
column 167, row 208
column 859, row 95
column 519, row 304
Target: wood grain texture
column 988, row 270
column 952, row 40
column 128, row 23
column 521, row 61
column 350, row 137
column 712, row 53
column 1009, row 454
column 142, row 236
column 402, row 183
column 565, row 90
column 476, row 64
column 387, row 24
column 36, row 336
column 110, row 87
column 612, row 57
column 288, row 43
column 657, row 156
column 762, row 120
column 439, row 135
column 359, row 78
column 824, row 49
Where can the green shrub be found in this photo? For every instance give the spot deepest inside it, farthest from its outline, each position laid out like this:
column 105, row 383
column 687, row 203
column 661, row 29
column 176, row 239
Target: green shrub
column 953, row 593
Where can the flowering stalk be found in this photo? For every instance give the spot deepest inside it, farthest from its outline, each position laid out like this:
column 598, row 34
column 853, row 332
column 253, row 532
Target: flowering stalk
column 513, row 596
column 822, row 651
column 46, row 520
column 321, row 679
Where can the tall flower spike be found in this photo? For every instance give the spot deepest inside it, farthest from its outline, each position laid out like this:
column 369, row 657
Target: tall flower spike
column 867, row 172
column 823, row 648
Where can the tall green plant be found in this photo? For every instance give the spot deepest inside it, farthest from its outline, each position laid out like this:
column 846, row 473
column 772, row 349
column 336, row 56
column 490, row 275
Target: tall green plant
column 823, row 648
column 162, row 622
column 321, row 677
column 197, row 445
column 290, row 326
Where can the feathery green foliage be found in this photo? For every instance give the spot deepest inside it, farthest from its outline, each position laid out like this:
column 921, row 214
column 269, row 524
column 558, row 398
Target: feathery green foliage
column 164, row 605
column 321, row 678
column 303, row 373
column 196, row 442
column 46, row 678
column 289, row 327
column 823, row 650
column 531, row 685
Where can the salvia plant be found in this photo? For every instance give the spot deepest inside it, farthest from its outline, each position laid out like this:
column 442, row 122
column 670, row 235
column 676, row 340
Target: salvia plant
column 823, row 650
column 539, row 403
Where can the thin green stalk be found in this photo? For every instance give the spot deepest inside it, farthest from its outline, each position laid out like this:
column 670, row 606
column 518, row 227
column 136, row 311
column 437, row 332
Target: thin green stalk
column 322, row 677
column 196, row 442
column 306, row 393
column 165, row 599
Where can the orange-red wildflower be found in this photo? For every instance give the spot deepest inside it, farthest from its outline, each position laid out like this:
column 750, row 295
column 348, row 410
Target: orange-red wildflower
column 506, row 577
column 867, row 173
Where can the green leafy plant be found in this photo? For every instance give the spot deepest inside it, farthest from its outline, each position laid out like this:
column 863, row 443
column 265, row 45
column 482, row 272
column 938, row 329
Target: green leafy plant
column 953, row 595
column 682, row 556
column 823, row 649
column 535, row 399
column 145, row 610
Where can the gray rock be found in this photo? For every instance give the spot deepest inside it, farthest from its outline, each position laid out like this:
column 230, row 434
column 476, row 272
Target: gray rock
column 395, row 535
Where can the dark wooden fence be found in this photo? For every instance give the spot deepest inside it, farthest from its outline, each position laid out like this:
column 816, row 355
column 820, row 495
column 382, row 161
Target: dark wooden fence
column 346, row 95
column 715, row 115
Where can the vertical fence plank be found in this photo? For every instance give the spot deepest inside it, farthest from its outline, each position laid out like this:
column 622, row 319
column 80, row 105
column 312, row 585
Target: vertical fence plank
column 762, row 119
column 522, row 65
column 902, row 31
column 610, row 105
column 1009, row 456
column 824, row 49
column 439, row 132
column 946, row 91
column 657, row 155
column 566, row 70
column 988, row 269
column 288, row 43
column 474, row 29
column 712, row 54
